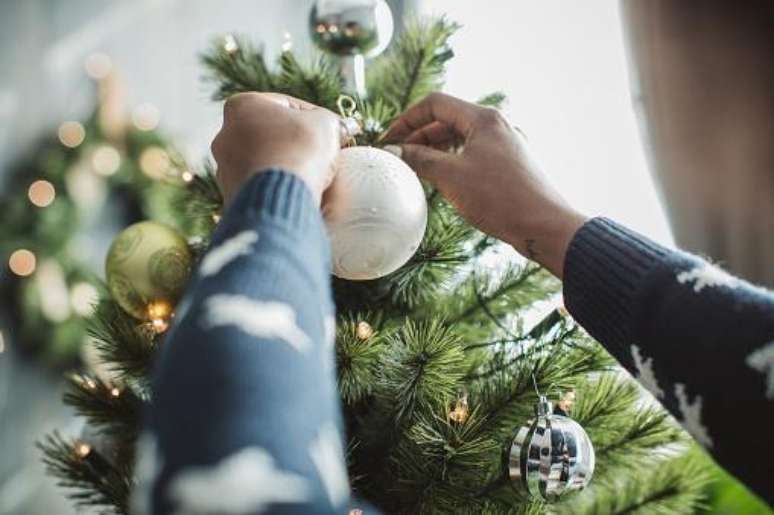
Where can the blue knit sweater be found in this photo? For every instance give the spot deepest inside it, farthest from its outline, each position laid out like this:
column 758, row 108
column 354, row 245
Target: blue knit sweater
column 246, row 418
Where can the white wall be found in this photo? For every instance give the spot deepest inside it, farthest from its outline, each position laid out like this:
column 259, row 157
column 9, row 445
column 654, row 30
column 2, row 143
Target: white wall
column 153, row 44
column 563, row 65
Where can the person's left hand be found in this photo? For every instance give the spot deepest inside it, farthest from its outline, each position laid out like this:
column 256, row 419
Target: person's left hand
column 270, row 130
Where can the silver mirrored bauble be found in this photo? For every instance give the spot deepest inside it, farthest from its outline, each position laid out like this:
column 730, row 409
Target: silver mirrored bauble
column 377, row 216
column 351, row 27
column 550, row 456
column 353, row 30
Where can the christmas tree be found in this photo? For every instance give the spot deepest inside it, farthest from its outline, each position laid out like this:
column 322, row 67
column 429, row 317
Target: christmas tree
column 439, row 364
column 53, row 204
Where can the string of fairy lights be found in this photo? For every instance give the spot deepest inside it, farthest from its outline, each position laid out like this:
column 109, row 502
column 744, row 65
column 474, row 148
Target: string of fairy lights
column 94, row 152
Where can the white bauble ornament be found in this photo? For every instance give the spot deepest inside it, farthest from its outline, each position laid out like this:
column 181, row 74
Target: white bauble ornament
column 378, row 217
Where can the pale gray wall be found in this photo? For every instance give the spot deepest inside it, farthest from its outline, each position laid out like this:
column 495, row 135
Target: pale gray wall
column 153, row 43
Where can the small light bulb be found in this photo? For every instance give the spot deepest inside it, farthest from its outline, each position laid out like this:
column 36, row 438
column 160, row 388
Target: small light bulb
column 22, row 262
column 71, row 134
column 216, row 218
column 90, row 383
column 230, row 44
column 287, row 43
column 41, row 193
column 115, row 392
column 461, row 410
column 82, row 449
column 364, row 330
column 187, row 176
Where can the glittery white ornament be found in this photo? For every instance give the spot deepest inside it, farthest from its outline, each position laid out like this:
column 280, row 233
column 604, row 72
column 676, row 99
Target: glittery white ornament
column 379, row 215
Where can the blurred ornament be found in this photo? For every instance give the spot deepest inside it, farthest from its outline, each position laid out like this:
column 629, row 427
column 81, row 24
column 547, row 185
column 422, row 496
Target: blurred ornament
column 71, row 134
column 461, row 411
column 106, row 160
column 41, row 193
column 364, row 330
column 98, row 65
column 378, row 216
column 22, row 262
column 83, row 297
column 353, row 30
column 146, row 117
column 147, row 266
column 551, row 456
column 155, row 162
column 53, row 292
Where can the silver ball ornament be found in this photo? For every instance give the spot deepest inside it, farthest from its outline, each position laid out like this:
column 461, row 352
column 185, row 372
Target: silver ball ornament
column 378, row 216
column 550, row 456
column 351, row 27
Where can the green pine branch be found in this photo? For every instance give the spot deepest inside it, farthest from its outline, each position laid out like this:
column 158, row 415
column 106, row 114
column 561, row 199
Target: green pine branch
column 414, row 65
column 91, row 480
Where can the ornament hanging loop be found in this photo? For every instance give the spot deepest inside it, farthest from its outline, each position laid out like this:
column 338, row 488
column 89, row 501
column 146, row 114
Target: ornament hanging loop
column 350, row 120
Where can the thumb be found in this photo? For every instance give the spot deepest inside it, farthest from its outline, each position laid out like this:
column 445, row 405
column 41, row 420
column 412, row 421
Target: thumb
column 427, row 162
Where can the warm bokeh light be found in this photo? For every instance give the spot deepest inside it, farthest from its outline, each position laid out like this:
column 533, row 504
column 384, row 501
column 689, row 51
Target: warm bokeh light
column 52, row 283
column 187, row 176
column 82, row 449
column 71, row 134
column 159, row 314
column 22, row 262
column 106, row 160
column 83, row 297
column 146, row 117
column 41, row 193
column 98, row 65
column 115, row 392
column 154, row 162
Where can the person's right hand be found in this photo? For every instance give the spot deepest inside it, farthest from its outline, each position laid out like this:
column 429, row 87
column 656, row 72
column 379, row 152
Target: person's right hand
column 493, row 182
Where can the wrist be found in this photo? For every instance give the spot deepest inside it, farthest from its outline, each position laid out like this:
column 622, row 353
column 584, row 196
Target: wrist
column 545, row 239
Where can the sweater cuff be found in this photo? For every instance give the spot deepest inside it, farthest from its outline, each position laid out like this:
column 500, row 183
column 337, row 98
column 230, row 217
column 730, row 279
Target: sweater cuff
column 278, row 196
column 604, row 268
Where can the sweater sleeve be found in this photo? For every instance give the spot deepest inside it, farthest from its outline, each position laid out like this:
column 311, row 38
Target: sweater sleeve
column 245, row 415
column 700, row 340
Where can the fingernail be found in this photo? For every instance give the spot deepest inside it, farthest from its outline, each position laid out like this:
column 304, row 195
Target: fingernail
column 395, row 150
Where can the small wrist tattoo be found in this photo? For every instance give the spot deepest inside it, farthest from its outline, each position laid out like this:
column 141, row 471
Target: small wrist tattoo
column 531, row 252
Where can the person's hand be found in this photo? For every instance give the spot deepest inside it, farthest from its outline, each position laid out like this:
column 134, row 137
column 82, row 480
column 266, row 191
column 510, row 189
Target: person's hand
column 269, row 130
column 493, row 182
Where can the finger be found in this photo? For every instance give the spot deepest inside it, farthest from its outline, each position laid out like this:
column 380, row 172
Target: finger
column 291, row 102
column 454, row 112
column 431, row 134
column 427, row 162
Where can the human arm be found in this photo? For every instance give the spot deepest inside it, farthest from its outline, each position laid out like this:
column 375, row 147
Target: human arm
column 707, row 353
column 245, row 413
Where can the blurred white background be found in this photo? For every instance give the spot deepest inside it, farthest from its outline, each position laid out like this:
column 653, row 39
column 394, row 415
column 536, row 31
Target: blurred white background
column 563, row 65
